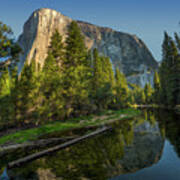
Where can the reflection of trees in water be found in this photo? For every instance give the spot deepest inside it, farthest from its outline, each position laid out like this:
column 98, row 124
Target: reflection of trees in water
column 169, row 121
column 149, row 116
column 95, row 158
column 104, row 156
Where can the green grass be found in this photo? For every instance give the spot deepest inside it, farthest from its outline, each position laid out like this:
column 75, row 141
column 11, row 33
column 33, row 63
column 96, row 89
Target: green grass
column 34, row 133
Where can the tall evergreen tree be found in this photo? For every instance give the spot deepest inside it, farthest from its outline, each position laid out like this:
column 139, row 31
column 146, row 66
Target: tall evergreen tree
column 103, row 81
column 121, row 89
column 5, row 93
column 56, row 48
column 177, row 38
column 52, row 80
column 97, row 70
column 164, row 68
column 77, row 72
column 27, row 95
column 76, row 51
column 169, row 71
column 148, row 91
column 9, row 49
column 157, row 88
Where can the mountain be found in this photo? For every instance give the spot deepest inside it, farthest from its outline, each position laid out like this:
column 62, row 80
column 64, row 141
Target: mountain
column 127, row 52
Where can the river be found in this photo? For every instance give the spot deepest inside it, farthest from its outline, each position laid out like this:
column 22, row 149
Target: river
column 142, row 148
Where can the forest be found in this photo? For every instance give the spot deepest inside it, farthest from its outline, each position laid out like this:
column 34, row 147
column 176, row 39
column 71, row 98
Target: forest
column 75, row 81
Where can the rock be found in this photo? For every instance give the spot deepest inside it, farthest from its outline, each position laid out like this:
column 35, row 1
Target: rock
column 127, row 52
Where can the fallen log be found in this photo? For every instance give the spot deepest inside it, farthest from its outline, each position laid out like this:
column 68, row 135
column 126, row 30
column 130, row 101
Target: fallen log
column 38, row 155
column 34, row 144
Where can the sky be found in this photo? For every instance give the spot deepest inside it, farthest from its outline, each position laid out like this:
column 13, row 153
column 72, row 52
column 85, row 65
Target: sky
column 148, row 19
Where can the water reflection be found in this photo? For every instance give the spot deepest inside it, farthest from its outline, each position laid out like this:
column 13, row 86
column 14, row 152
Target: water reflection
column 122, row 154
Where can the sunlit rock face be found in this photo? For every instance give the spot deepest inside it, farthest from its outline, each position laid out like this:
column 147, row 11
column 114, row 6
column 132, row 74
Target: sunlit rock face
column 37, row 33
column 127, row 52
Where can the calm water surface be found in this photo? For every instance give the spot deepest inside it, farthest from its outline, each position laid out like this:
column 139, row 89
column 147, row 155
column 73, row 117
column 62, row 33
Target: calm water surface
column 143, row 148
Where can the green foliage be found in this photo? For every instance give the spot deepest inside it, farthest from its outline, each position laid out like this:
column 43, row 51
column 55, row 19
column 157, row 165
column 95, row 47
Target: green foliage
column 148, row 91
column 169, row 72
column 121, row 90
column 157, row 88
column 34, row 133
column 5, row 41
column 7, row 101
column 138, row 95
column 76, row 51
column 73, row 82
column 27, row 95
column 103, row 81
column 8, row 48
column 56, row 47
column 77, row 73
column 51, row 88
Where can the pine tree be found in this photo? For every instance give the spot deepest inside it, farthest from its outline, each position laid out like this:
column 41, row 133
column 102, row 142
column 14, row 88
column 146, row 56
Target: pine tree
column 5, row 41
column 164, row 68
column 138, row 94
column 157, row 87
column 103, row 81
column 97, row 70
column 7, row 89
column 177, row 38
column 169, row 70
column 4, row 96
column 77, row 72
column 27, row 95
column 56, row 48
column 148, row 91
column 76, row 51
column 121, row 89
column 8, row 48
column 142, row 97
column 52, row 80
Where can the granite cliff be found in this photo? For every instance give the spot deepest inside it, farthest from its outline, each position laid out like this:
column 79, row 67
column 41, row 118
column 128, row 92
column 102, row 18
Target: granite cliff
column 127, row 52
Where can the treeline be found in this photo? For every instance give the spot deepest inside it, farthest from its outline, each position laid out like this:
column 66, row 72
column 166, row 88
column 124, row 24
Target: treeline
column 72, row 82
column 167, row 80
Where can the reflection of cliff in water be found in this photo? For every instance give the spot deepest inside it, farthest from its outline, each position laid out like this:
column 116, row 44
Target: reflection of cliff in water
column 145, row 150
column 131, row 146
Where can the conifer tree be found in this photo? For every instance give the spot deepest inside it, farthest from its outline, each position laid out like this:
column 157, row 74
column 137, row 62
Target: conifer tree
column 177, row 38
column 121, row 89
column 169, row 70
column 27, row 92
column 76, row 52
column 139, row 96
column 164, row 68
column 157, row 87
column 9, row 49
column 97, row 70
column 52, row 85
column 56, row 48
column 5, row 93
column 103, row 81
column 77, row 71
column 148, row 91
column 142, row 97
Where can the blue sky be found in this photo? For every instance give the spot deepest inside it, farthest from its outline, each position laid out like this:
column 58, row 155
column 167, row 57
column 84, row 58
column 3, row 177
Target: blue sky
column 147, row 19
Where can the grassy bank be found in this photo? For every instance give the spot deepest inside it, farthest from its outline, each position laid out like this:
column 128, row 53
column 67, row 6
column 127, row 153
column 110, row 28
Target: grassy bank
column 92, row 120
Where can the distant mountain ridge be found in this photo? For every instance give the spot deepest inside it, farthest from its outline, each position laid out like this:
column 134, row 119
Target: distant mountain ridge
column 127, row 52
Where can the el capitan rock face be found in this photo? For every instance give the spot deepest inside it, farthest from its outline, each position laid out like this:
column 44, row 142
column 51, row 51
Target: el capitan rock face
column 127, row 52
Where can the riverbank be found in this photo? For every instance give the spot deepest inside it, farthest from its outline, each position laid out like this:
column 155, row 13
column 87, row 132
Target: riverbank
column 81, row 122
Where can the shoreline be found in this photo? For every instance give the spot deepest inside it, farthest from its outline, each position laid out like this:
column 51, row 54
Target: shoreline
column 92, row 121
